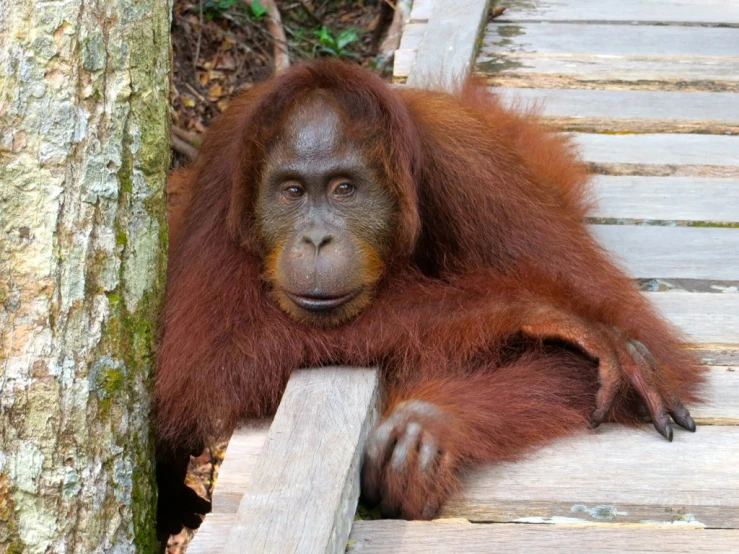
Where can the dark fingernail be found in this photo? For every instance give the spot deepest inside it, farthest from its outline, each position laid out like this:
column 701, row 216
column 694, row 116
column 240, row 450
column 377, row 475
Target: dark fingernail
column 664, row 430
column 684, row 420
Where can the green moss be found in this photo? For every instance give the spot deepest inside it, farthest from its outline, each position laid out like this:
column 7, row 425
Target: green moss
column 112, row 381
column 144, row 492
column 121, row 238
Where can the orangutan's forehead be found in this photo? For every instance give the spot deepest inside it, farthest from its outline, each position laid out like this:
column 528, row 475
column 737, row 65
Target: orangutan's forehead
column 313, row 128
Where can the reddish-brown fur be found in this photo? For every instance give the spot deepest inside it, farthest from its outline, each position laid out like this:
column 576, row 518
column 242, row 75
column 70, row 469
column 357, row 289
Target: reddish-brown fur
column 490, row 230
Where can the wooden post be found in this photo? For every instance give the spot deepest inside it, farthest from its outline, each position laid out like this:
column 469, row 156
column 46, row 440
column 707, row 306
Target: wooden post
column 303, row 493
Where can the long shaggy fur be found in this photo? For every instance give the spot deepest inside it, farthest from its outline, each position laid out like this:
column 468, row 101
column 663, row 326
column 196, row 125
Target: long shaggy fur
column 490, row 227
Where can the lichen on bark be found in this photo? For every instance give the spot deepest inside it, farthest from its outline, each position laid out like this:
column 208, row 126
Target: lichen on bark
column 84, row 149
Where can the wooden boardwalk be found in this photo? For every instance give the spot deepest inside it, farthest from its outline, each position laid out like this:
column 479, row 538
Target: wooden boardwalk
column 651, row 89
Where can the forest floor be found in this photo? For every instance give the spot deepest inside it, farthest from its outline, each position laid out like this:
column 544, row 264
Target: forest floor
column 223, row 47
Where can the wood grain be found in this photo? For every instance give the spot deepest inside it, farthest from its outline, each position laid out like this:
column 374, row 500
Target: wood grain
column 449, row 44
column 664, row 41
column 655, row 11
column 304, row 489
column 721, row 395
column 613, row 475
column 672, row 252
column 630, row 110
column 667, row 199
column 441, row 537
column 619, row 53
column 703, row 317
column 656, row 149
column 422, row 10
column 241, row 457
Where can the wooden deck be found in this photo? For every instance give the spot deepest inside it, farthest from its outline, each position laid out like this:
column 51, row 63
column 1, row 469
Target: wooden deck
column 651, row 89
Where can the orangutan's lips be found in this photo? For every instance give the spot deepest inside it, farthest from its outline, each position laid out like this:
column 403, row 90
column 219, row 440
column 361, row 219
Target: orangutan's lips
column 321, row 303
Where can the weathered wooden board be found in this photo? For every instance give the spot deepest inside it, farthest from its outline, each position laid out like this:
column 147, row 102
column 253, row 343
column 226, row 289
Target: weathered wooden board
column 619, row 53
column 615, row 475
column 623, row 70
column 422, row 10
column 720, row 407
column 659, row 149
column 403, row 61
column 704, row 317
column 443, row 537
column 672, row 252
column 721, row 398
column 233, row 476
column 659, row 11
column 631, row 110
column 213, row 533
column 405, row 55
column 450, row 43
column 412, row 36
column 667, row 199
column 668, row 42
column 304, row 489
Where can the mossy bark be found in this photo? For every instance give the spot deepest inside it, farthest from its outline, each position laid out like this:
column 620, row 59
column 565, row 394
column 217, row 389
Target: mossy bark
column 84, row 150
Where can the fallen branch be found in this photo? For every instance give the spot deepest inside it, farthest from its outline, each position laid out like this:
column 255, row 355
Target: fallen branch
column 277, row 32
column 184, row 148
column 193, row 139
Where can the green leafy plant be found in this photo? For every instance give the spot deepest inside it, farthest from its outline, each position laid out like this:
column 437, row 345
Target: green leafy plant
column 256, row 10
column 213, row 9
column 335, row 45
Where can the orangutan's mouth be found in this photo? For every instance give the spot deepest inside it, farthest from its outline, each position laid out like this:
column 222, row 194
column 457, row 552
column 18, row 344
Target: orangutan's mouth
column 321, row 302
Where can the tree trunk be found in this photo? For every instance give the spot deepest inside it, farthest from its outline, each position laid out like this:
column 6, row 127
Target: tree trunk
column 84, row 150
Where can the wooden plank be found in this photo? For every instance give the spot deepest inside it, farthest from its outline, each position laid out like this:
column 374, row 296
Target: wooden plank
column 721, row 395
column 412, row 36
column 667, row 42
column 642, row 111
column 241, row 457
column 304, row 489
column 658, row 11
column 666, row 198
column 646, row 251
column 450, row 43
column 213, row 533
column 613, row 475
column 405, row 56
column 403, row 61
column 720, row 407
column 659, row 149
column 441, row 537
column 573, row 71
column 704, row 317
column 422, row 10
column 621, row 53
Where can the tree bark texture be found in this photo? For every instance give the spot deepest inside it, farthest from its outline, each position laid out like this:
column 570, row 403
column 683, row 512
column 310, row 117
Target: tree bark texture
column 84, row 151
